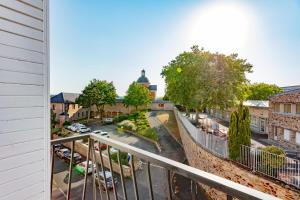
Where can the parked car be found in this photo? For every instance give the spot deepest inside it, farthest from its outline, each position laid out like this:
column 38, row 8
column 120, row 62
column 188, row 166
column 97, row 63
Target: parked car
column 113, row 150
column 108, row 120
column 102, row 146
column 57, row 147
column 83, row 130
column 82, row 166
column 109, row 179
column 63, row 153
column 76, row 158
column 101, row 133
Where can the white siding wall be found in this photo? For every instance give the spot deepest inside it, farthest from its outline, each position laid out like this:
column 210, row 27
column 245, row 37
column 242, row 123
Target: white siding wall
column 24, row 100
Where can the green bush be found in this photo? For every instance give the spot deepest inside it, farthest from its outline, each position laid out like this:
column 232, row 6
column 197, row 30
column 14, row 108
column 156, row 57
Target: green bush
column 149, row 133
column 123, row 158
column 127, row 125
column 272, row 157
column 120, row 118
column 66, row 123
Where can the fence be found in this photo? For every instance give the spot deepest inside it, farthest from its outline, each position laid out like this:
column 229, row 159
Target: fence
column 212, row 143
column 278, row 167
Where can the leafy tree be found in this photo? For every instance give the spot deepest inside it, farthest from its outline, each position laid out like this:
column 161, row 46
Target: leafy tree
column 262, row 91
column 239, row 131
column 137, row 95
column 200, row 79
column 98, row 93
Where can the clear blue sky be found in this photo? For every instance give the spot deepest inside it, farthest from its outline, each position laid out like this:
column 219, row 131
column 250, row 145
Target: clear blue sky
column 114, row 40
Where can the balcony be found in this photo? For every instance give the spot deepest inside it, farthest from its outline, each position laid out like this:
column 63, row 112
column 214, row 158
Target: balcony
column 130, row 187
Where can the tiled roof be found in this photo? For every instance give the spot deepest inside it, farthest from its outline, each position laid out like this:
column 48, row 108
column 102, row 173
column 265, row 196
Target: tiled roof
column 297, row 90
column 256, row 103
column 290, row 88
column 64, row 97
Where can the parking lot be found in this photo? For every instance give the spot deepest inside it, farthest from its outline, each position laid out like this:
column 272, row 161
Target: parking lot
column 159, row 175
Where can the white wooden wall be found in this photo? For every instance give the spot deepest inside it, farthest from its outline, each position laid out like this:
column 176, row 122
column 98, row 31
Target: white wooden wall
column 24, row 100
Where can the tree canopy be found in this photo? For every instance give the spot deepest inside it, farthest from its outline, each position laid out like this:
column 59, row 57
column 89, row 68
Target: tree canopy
column 137, row 95
column 262, row 91
column 200, row 79
column 98, row 93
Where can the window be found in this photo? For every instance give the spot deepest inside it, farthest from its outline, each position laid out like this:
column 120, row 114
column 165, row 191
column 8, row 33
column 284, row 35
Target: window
column 78, row 114
column 161, row 105
column 53, row 107
column 87, row 113
column 74, row 106
column 286, row 135
column 298, row 108
column 275, row 133
column 277, row 107
column 287, row 108
column 298, row 138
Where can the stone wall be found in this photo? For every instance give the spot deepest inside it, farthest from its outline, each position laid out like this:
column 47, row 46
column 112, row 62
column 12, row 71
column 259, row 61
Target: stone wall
column 203, row 160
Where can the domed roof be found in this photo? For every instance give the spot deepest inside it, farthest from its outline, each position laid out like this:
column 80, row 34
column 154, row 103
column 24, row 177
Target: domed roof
column 143, row 78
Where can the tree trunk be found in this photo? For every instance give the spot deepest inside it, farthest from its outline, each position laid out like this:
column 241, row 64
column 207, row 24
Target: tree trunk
column 89, row 114
column 136, row 108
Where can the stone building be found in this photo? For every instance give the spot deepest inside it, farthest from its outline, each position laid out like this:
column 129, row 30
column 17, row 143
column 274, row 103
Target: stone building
column 258, row 110
column 65, row 107
column 284, row 118
column 143, row 80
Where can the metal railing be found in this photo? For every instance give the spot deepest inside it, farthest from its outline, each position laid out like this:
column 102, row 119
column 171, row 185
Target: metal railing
column 210, row 142
column 230, row 188
column 279, row 167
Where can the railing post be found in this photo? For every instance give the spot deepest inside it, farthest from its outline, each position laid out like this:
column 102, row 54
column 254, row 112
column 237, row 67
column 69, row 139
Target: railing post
column 52, row 167
column 70, row 170
column 134, row 178
column 170, row 185
column 86, row 169
column 149, row 180
column 122, row 176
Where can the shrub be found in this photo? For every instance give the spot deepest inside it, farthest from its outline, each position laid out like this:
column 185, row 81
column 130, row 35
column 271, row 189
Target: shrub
column 123, row 158
column 128, row 125
column 271, row 157
column 66, row 123
column 120, row 118
column 149, row 133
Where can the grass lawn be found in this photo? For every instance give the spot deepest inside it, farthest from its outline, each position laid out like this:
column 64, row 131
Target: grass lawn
column 169, row 120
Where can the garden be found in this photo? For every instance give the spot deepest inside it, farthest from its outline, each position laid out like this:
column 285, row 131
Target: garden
column 136, row 122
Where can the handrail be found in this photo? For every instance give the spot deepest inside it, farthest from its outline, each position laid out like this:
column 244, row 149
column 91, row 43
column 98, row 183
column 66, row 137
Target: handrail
column 229, row 187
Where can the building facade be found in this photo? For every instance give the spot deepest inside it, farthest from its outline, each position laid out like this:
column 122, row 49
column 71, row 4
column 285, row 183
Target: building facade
column 284, row 118
column 259, row 114
column 65, row 108
column 143, row 80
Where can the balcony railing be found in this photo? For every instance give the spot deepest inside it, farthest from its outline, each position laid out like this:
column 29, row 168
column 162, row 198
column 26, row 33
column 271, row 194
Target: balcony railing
column 231, row 189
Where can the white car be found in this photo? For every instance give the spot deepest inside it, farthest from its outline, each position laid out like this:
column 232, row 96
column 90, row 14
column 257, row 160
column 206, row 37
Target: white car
column 108, row 120
column 83, row 130
column 102, row 133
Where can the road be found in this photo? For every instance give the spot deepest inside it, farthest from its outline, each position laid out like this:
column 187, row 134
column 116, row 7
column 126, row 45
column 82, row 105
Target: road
column 170, row 149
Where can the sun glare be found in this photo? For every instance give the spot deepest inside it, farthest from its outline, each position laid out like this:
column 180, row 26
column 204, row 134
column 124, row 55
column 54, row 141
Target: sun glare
column 222, row 27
